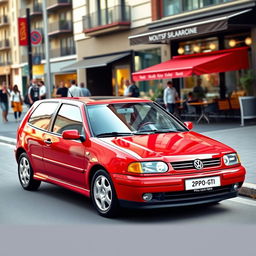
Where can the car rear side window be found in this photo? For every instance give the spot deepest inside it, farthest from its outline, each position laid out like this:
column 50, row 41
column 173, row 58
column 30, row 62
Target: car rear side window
column 42, row 115
column 68, row 118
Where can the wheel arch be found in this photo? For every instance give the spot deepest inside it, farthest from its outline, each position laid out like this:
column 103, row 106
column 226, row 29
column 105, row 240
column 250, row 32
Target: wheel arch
column 92, row 171
column 19, row 151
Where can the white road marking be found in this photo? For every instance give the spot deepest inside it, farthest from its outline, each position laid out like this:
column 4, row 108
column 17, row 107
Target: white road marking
column 241, row 200
column 7, row 145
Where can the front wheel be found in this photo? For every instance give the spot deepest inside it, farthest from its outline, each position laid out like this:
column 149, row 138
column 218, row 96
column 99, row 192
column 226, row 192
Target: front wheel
column 103, row 194
column 25, row 173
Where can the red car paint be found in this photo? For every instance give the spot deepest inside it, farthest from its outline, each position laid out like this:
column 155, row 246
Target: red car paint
column 71, row 164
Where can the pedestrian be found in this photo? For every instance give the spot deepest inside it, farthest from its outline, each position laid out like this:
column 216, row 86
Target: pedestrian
column 85, row 91
column 16, row 102
column 198, row 90
column 4, row 102
column 131, row 89
column 62, row 90
column 74, row 91
column 170, row 97
column 33, row 92
column 42, row 90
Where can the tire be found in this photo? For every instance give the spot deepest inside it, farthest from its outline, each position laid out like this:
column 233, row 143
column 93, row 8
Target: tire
column 103, row 195
column 25, row 173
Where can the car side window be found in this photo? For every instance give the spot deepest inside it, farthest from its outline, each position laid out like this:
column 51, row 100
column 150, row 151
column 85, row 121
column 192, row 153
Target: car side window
column 42, row 115
column 68, row 118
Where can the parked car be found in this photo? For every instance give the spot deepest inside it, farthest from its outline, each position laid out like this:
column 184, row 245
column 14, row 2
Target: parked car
column 123, row 152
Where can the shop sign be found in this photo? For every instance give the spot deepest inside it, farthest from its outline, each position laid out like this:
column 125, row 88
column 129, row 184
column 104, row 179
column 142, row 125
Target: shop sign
column 23, row 33
column 172, row 34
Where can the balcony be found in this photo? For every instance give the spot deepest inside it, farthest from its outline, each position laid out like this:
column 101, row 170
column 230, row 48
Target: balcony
column 52, row 5
column 36, row 10
column 60, row 52
column 5, row 63
column 3, row 1
column 59, row 28
column 108, row 20
column 4, row 20
column 36, row 57
column 5, row 45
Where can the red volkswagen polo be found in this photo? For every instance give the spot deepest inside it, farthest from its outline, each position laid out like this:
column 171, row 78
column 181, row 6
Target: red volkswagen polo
column 123, row 152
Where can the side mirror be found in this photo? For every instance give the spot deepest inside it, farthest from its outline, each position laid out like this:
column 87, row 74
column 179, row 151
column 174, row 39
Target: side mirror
column 72, row 135
column 189, row 125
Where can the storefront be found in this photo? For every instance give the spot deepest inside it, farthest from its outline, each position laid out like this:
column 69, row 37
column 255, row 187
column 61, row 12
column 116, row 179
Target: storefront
column 226, row 31
column 58, row 75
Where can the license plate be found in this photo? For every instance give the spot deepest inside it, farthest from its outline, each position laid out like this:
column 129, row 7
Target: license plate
column 201, row 183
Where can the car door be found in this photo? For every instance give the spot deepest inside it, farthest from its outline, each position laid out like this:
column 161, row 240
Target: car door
column 38, row 125
column 65, row 159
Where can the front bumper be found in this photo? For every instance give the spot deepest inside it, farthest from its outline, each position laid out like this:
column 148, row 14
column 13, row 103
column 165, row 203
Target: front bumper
column 169, row 191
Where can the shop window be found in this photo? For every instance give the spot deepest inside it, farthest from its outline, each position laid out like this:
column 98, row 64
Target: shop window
column 144, row 59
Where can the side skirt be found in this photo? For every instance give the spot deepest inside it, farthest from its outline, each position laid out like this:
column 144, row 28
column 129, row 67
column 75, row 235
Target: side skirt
column 46, row 178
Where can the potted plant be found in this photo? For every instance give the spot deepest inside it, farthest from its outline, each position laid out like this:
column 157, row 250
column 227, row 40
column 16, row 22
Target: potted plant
column 246, row 81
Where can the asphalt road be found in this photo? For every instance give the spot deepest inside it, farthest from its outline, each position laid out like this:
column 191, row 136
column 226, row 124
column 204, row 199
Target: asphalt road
column 52, row 205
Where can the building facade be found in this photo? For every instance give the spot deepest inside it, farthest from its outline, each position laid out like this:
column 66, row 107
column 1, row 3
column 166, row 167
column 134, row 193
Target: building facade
column 201, row 26
column 9, row 55
column 62, row 50
column 105, row 56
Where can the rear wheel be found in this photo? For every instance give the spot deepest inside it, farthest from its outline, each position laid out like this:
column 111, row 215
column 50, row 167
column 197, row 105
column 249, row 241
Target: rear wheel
column 25, row 173
column 103, row 194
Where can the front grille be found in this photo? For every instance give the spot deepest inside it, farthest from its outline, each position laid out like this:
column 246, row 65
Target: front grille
column 191, row 194
column 184, row 165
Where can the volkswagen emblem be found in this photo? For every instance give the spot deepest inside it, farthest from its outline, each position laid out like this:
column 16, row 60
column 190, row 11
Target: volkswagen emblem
column 198, row 164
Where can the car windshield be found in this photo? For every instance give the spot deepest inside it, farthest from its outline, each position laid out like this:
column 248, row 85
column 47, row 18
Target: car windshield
column 123, row 119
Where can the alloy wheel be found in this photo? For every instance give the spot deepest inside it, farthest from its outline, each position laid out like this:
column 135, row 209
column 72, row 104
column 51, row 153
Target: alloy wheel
column 102, row 193
column 24, row 171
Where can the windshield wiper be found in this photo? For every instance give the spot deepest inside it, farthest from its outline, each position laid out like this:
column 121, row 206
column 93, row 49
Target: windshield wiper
column 156, row 131
column 114, row 134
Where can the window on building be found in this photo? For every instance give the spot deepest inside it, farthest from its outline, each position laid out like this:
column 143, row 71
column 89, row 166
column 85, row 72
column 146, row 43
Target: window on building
column 172, row 7
column 67, row 46
column 144, row 59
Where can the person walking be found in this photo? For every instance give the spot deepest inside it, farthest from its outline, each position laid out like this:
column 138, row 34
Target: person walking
column 85, row 91
column 42, row 90
column 4, row 102
column 74, row 91
column 170, row 96
column 62, row 90
column 33, row 92
column 131, row 89
column 16, row 102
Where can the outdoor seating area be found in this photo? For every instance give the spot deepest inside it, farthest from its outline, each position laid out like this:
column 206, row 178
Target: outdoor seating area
column 209, row 110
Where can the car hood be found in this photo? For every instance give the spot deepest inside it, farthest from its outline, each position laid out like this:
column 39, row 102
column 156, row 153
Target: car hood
column 172, row 146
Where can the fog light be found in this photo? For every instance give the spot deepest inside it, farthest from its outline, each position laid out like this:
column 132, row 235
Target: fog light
column 147, row 196
column 236, row 186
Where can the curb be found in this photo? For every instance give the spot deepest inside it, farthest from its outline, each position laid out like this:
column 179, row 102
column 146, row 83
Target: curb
column 248, row 189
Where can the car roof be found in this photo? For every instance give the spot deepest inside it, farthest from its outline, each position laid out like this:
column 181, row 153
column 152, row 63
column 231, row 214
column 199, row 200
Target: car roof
column 95, row 100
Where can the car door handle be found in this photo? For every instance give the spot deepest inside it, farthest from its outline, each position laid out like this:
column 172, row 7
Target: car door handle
column 48, row 141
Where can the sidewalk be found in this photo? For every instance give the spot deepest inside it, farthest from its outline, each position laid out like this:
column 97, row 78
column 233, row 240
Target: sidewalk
column 242, row 139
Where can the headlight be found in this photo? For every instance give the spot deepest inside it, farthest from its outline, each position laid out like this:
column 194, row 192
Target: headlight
column 148, row 167
column 231, row 159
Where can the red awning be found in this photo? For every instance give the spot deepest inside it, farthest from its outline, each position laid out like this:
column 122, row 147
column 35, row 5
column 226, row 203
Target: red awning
column 196, row 64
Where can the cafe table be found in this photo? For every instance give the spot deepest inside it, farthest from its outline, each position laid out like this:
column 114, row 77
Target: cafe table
column 202, row 105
